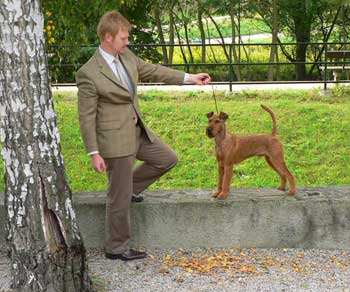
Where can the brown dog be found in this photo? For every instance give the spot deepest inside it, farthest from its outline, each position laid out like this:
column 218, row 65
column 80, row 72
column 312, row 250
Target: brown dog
column 232, row 149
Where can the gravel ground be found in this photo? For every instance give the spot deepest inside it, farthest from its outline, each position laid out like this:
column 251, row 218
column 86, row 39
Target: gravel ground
column 218, row 270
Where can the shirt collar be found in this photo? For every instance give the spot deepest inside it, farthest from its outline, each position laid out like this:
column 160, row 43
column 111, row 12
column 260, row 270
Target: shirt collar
column 108, row 57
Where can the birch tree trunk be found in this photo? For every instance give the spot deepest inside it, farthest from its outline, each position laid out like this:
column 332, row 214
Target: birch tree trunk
column 44, row 241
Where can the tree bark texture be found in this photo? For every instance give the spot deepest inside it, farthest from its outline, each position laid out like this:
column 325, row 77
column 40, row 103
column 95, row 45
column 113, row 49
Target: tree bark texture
column 44, row 241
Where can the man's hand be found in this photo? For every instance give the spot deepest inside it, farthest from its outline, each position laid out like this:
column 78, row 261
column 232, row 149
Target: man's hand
column 98, row 163
column 199, row 79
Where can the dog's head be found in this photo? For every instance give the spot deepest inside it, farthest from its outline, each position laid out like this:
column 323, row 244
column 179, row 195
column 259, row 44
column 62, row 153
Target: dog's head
column 216, row 123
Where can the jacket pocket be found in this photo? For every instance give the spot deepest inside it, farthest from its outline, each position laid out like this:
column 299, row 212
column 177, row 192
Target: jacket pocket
column 109, row 125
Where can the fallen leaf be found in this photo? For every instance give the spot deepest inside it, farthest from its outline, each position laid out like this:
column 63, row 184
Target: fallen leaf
column 164, row 269
column 179, row 278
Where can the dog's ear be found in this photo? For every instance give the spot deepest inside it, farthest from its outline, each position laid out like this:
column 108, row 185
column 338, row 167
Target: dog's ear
column 209, row 115
column 223, row 116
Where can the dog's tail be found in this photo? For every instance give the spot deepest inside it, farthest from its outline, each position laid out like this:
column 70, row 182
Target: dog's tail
column 274, row 129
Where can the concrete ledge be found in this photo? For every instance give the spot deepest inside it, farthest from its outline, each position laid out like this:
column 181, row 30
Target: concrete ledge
column 315, row 218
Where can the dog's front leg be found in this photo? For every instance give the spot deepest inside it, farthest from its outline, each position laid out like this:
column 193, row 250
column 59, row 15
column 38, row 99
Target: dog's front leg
column 228, row 171
column 220, row 179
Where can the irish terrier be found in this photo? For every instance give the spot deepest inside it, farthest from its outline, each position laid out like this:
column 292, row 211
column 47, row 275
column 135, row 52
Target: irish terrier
column 232, row 149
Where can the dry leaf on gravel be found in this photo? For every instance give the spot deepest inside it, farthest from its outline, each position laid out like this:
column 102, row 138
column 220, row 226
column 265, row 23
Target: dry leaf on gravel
column 211, row 263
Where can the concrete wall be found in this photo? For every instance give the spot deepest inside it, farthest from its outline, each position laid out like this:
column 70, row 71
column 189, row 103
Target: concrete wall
column 315, row 218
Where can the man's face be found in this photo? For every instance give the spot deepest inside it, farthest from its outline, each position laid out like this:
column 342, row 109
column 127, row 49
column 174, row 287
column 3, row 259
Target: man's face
column 118, row 44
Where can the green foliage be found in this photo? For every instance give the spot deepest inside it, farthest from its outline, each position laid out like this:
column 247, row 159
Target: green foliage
column 73, row 27
column 70, row 28
column 138, row 13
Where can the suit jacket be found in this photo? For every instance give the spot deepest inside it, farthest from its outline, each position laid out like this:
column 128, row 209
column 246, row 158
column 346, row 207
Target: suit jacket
column 107, row 109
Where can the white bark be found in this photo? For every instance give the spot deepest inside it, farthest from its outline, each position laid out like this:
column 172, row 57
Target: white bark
column 44, row 240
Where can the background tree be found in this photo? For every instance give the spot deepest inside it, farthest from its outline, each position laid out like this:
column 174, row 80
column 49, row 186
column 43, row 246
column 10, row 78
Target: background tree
column 44, row 241
column 217, row 7
column 301, row 15
column 157, row 18
column 71, row 31
column 300, row 22
column 200, row 13
column 70, row 28
column 184, row 16
column 269, row 10
column 326, row 22
column 139, row 13
column 163, row 14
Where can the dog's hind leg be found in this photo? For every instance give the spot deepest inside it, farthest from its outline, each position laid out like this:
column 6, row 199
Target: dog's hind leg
column 283, row 178
column 282, row 169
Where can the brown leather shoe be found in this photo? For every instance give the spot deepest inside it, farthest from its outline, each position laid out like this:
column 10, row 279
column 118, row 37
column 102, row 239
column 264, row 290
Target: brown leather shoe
column 131, row 254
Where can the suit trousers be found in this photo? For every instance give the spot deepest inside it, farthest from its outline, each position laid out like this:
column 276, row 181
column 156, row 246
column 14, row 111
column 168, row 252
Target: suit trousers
column 124, row 180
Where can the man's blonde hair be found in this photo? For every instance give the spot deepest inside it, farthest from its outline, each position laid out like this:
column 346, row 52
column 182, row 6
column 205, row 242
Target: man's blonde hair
column 112, row 22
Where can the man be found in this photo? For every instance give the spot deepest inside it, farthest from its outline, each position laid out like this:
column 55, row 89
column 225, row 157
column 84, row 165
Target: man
column 113, row 130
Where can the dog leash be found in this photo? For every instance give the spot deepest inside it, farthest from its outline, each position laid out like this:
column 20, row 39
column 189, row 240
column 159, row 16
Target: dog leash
column 216, row 105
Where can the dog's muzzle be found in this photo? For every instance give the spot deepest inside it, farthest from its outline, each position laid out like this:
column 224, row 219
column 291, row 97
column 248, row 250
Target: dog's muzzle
column 210, row 132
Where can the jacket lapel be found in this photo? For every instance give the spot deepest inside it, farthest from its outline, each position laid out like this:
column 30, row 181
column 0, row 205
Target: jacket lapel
column 106, row 70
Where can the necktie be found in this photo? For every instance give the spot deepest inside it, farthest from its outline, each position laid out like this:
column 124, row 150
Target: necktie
column 125, row 81
column 121, row 75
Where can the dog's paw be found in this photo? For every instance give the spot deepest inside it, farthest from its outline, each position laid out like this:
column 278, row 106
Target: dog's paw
column 222, row 196
column 281, row 188
column 291, row 193
column 216, row 194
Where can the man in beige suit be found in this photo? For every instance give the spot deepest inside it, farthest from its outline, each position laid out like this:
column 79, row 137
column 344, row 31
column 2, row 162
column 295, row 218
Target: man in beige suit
column 113, row 130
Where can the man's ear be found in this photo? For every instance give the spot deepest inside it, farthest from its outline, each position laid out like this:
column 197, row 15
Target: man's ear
column 209, row 115
column 223, row 116
column 108, row 37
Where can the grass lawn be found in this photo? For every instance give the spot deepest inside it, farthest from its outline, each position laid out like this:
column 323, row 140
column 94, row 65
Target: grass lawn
column 313, row 128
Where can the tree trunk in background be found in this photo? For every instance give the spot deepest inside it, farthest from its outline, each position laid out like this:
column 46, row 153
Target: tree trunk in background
column 236, row 57
column 227, row 55
column 326, row 37
column 302, row 24
column 185, row 22
column 221, row 37
column 274, row 51
column 201, row 29
column 156, row 15
column 44, row 241
column 171, row 33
